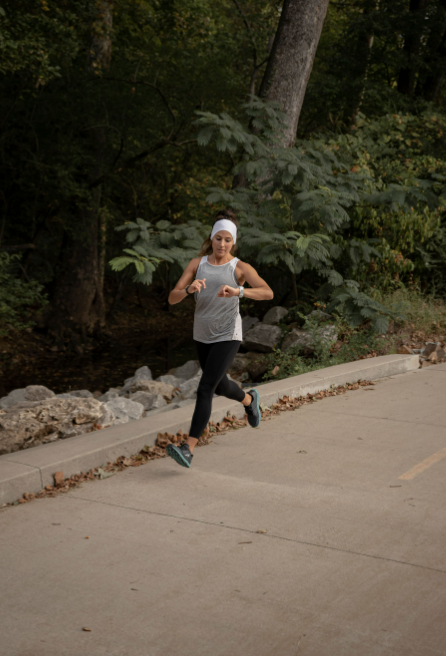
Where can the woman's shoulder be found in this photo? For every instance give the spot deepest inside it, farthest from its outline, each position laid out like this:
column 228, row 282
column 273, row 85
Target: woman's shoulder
column 194, row 264
column 242, row 266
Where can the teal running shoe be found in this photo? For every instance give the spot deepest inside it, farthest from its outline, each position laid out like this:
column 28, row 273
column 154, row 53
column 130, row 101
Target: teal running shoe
column 253, row 409
column 181, row 454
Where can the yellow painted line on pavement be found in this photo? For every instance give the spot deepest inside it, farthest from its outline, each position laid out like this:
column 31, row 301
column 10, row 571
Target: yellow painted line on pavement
column 422, row 466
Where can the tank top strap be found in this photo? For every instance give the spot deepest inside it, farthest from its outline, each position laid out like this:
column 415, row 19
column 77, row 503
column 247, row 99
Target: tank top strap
column 202, row 261
column 234, row 262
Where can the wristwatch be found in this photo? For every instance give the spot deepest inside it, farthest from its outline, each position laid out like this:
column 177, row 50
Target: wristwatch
column 186, row 290
column 242, row 292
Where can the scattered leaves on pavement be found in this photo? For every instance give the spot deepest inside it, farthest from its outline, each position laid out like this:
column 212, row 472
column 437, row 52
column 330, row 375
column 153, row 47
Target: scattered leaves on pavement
column 228, row 423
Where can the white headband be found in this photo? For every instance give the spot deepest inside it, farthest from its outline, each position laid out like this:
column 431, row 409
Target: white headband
column 225, row 224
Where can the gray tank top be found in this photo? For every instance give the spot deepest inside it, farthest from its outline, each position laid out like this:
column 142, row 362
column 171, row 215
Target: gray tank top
column 217, row 319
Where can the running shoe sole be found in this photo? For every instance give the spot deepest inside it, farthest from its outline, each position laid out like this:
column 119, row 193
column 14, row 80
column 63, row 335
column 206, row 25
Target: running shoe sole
column 255, row 395
column 176, row 454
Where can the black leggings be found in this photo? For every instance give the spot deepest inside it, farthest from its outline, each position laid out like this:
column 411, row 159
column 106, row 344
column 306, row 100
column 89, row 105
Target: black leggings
column 215, row 359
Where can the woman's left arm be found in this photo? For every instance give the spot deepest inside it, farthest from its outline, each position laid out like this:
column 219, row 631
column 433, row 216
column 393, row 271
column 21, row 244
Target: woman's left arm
column 259, row 291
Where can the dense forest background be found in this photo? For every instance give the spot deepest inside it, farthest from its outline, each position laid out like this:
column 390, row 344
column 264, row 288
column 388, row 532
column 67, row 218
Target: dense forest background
column 156, row 112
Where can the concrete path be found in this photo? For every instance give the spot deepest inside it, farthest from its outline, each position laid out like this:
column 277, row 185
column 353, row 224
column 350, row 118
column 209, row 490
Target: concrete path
column 351, row 494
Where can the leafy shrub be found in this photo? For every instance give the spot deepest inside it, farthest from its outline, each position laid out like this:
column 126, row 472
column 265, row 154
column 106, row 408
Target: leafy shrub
column 423, row 312
column 357, row 343
column 299, row 204
column 152, row 244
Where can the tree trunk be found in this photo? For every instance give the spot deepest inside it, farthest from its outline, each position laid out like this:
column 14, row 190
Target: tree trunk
column 361, row 63
column 412, row 42
column 436, row 47
column 77, row 305
column 291, row 60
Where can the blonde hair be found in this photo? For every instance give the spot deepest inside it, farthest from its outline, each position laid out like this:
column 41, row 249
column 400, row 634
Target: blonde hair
column 206, row 246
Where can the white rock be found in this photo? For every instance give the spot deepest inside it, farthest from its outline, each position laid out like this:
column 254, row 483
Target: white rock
column 171, row 380
column 188, row 370
column 30, row 423
column 79, row 394
column 108, row 416
column 151, row 386
column 149, row 400
column 122, row 408
column 112, row 393
column 143, row 372
column 14, row 397
column 275, row 315
column 189, row 388
column 30, row 393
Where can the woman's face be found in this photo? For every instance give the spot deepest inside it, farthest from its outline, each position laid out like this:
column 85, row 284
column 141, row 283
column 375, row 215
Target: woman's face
column 222, row 243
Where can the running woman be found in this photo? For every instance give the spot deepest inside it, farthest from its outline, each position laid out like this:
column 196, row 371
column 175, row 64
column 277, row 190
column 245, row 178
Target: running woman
column 216, row 279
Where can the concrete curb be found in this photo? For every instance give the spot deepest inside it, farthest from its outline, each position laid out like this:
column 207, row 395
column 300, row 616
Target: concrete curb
column 30, row 470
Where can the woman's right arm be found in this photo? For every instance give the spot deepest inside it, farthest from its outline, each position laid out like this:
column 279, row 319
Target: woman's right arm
column 177, row 294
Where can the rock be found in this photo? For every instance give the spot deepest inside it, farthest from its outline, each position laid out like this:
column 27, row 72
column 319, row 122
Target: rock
column 16, row 396
column 188, row 389
column 319, row 315
column 257, row 367
column 187, row 370
column 248, row 323
column 97, row 394
column 404, row 350
column 143, row 373
column 275, row 315
column 38, row 393
column 107, row 418
column 437, row 355
column 432, row 347
column 152, row 386
column 239, row 364
column 79, row 394
column 124, row 410
column 304, row 339
column 426, row 363
column 30, row 393
column 32, row 423
column 168, row 379
column 112, row 393
column 148, row 400
column 263, row 338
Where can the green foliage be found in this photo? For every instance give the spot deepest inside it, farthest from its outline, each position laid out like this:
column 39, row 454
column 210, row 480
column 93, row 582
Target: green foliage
column 423, row 312
column 359, row 308
column 358, row 198
column 301, row 204
column 152, row 244
column 357, row 343
column 18, row 299
column 360, row 57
